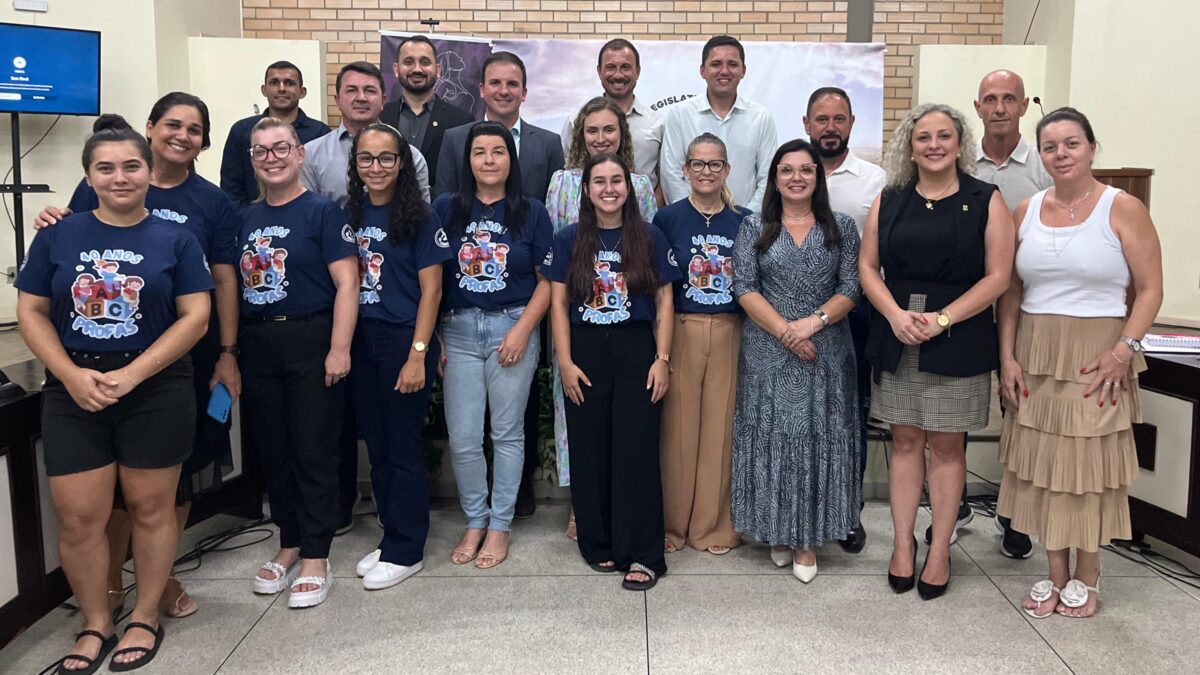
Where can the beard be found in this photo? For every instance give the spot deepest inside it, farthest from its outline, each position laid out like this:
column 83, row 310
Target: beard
column 430, row 82
column 828, row 152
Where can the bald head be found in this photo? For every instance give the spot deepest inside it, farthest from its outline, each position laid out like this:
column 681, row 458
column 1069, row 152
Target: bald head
column 1001, row 103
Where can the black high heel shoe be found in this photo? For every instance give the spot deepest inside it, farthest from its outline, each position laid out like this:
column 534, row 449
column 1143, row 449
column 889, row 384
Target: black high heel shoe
column 929, row 591
column 905, row 584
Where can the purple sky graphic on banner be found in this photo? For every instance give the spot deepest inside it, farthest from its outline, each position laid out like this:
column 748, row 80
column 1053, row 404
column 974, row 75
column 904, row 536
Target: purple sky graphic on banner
column 562, row 77
column 461, row 60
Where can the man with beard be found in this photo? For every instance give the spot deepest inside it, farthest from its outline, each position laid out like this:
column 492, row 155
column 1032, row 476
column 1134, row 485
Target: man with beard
column 420, row 116
column 853, row 186
column 359, row 96
column 283, row 87
column 619, row 67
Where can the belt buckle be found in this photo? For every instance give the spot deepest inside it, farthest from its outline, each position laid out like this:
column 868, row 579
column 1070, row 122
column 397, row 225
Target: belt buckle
column 277, row 318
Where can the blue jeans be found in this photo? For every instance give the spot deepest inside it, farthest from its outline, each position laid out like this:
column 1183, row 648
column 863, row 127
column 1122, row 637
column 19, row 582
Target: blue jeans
column 474, row 382
column 392, row 425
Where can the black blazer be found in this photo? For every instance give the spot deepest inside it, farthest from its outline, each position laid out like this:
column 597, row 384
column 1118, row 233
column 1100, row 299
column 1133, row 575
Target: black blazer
column 540, row 156
column 971, row 347
column 443, row 117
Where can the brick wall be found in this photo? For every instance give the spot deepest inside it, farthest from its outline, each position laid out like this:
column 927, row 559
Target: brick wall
column 349, row 27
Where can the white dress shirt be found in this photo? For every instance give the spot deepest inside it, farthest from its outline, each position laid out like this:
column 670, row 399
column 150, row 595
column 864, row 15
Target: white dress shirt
column 1020, row 176
column 515, row 130
column 327, row 161
column 853, row 187
column 750, row 139
column 646, row 129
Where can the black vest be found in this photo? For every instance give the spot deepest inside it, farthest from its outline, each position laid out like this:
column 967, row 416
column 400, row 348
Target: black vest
column 942, row 273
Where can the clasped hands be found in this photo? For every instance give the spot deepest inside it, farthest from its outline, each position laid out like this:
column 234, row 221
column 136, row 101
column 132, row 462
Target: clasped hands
column 797, row 337
column 914, row 328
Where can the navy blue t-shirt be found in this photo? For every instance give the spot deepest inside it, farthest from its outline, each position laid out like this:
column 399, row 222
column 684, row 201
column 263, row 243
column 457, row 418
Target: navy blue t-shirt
column 196, row 204
column 704, row 254
column 389, row 285
column 493, row 269
column 285, row 256
column 113, row 289
column 611, row 301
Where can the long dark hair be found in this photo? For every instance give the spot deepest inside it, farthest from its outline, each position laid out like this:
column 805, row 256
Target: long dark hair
column 162, row 105
column 408, row 209
column 635, row 246
column 515, row 205
column 772, row 206
column 111, row 128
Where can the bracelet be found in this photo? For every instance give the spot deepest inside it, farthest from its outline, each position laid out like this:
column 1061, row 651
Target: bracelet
column 665, row 358
column 812, row 326
column 1117, row 358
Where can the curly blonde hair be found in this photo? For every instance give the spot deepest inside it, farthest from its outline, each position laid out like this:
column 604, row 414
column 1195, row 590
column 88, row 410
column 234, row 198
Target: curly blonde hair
column 578, row 155
column 897, row 161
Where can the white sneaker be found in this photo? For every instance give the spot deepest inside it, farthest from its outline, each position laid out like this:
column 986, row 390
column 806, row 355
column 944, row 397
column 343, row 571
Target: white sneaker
column 368, row 563
column 300, row 599
column 386, row 575
column 805, row 573
column 781, row 558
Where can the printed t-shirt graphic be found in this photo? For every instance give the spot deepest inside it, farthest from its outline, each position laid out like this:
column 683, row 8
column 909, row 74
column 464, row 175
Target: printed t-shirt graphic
column 389, row 281
column 264, row 267
column 704, row 251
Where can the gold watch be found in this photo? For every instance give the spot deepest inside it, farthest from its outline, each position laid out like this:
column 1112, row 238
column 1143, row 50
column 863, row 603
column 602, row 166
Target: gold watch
column 943, row 319
column 420, row 347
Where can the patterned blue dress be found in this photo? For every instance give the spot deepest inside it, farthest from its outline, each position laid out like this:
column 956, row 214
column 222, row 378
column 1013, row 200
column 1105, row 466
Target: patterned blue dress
column 796, row 431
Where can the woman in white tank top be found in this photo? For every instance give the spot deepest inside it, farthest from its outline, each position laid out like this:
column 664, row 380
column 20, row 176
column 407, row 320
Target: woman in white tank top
column 1070, row 354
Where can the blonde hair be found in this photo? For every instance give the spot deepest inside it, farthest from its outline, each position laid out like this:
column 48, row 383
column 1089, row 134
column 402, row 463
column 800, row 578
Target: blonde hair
column 262, row 125
column 897, row 160
column 707, row 138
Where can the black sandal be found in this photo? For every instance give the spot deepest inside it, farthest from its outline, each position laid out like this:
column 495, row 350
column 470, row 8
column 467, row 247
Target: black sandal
column 603, row 569
column 646, row 585
column 106, row 646
column 147, row 653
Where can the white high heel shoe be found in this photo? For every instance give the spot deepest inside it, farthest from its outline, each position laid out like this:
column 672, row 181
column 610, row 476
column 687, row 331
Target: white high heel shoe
column 804, row 573
column 781, row 558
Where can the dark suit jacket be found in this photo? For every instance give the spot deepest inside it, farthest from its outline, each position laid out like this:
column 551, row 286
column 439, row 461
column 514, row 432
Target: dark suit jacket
column 443, row 117
column 540, row 156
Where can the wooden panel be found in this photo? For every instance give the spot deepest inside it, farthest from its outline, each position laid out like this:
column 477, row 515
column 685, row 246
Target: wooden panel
column 1134, row 181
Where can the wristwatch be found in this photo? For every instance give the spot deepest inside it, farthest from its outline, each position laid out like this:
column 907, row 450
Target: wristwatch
column 420, row 347
column 943, row 319
column 663, row 357
column 823, row 317
column 231, row 349
column 1135, row 345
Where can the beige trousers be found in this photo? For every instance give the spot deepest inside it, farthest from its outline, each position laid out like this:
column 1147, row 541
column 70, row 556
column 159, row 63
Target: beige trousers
column 697, row 430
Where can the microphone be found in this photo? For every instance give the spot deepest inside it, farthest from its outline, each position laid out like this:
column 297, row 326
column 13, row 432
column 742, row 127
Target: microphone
column 1038, row 101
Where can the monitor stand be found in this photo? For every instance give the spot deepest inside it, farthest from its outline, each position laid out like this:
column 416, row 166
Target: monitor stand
column 18, row 189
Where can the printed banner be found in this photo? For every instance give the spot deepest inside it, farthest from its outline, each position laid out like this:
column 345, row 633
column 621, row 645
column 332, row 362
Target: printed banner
column 561, row 77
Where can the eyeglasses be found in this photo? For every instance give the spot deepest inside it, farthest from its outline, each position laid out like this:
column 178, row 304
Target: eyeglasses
column 281, row 150
column 806, row 170
column 713, row 165
column 387, row 160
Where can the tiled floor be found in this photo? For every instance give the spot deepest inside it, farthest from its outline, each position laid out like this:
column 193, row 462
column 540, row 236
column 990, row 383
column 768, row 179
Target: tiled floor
column 544, row 611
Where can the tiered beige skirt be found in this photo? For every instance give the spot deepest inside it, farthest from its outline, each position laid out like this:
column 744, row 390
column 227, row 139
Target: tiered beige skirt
column 1068, row 462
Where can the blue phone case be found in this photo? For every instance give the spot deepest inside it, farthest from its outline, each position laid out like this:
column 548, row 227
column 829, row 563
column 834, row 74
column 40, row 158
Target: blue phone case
column 219, row 403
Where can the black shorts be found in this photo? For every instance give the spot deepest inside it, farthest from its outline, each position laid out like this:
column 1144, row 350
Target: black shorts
column 151, row 427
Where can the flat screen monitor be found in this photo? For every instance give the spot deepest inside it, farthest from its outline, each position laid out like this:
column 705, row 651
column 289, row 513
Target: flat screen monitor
column 51, row 71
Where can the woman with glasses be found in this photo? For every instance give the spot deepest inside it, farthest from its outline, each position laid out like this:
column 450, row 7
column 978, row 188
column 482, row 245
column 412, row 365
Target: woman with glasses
column 111, row 300
column 612, row 308
column 177, row 129
column 299, row 306
column 600, row 127
column 401, row 248
column 796, row 430
column 697, row 433
column 494, row 297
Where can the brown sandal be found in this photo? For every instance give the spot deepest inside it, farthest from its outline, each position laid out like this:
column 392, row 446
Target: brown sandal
column 183, row 605
column 571, row 532
column 470, row 553
column 488, row 559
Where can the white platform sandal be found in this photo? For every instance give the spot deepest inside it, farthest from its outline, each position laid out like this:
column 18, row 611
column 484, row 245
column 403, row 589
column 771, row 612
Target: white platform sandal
column 283, row 577
column 1041, row 592
column 301, row 599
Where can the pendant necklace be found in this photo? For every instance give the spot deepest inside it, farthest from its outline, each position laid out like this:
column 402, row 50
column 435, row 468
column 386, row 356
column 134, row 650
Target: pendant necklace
column 930, row 201
column 707, row 216
column 1070, row 209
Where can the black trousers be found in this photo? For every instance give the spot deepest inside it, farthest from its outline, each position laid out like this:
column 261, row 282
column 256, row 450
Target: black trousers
column 295, row 422
column 859, row 321
column 616, row 487
column 392, row 424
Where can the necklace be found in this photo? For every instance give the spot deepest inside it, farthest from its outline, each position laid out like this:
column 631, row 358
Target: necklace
column 1070, row 208
column 616, row 247
column 707, row 216
column 930, row 201
column 797, row 219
